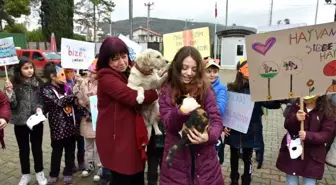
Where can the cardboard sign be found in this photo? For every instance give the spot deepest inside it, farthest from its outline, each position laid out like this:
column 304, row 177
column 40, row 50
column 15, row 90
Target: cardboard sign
column 238, row 112
column 94, row 111
column 77, row 54
column 7, row 52
column 292, row 63
column 198, row 38
column 133, row 47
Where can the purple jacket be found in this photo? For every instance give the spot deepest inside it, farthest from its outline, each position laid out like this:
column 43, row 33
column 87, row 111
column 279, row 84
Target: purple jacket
column 319, row 130
column 207, row 167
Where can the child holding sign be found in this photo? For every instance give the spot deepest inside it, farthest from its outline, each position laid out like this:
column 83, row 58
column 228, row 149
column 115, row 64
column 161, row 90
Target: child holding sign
column 23, row 92
column 318, row 116
column 83, row 89
column 254, row 136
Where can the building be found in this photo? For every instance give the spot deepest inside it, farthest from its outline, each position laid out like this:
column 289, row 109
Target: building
column 140, row 35
column 232, row 45
column 87, row 32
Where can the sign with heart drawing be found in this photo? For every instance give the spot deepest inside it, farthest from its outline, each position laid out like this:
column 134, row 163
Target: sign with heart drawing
column 290, row 63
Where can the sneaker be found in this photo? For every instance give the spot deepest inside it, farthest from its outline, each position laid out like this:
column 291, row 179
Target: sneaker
column 41, row 180
column 52, row 180
column 25, row 179
column 89, row 170
column 99, row 173
column 67, row 180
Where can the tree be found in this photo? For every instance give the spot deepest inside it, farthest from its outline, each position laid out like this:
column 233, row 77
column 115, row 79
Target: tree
column 35, row 35
column 92, row 12
column 57, row 17
column 13, row 8
column 286, row 21
column 15, row 28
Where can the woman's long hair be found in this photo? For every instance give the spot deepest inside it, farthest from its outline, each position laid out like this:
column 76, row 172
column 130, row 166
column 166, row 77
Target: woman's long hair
column 326, row 107
column 18, row 79
column 238, row 84
column 198, row 86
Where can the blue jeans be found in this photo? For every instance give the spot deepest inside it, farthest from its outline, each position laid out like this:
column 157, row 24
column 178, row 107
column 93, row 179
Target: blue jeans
column 294, row 180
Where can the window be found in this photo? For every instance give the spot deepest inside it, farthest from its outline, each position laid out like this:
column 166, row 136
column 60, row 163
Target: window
column 240, row 50
column 26, row 54
column 37, row 56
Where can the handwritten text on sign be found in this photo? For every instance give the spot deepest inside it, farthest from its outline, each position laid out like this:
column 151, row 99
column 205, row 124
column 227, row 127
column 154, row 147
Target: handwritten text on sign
column 292, row 63
column 77, row 54
column 238, row 112
column 94, row 111
column 198, row 38
column 7, row 52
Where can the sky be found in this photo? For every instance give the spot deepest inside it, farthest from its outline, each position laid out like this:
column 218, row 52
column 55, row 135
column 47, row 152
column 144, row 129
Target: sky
column 241, row 12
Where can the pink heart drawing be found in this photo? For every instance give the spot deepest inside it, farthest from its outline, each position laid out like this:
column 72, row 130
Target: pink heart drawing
column 264, row 48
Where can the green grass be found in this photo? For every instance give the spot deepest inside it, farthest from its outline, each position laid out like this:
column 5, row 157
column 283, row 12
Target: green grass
column 268, row 75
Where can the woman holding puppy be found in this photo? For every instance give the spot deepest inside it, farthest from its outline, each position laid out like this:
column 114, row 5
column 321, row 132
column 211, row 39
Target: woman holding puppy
column 118, row 123
column 198, row 163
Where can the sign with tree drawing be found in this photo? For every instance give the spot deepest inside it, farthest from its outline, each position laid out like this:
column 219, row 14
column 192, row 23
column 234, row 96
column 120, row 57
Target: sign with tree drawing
column 292, row 63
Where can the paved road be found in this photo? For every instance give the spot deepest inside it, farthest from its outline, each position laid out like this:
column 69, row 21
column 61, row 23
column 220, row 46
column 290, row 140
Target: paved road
column 268, row 175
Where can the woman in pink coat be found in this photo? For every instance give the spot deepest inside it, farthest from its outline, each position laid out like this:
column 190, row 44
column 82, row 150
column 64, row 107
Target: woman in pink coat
column 197, row 164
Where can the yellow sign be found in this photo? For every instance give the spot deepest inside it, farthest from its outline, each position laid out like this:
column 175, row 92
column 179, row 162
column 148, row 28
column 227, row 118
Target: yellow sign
column 198, row 38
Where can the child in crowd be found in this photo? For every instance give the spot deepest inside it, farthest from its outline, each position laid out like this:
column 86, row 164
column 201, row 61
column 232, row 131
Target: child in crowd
column 83, row 89
column 212, row 72
column 70, row 75
column 4, row 117
column 24, row 94
column 318, row 115
column 254, row 136
column 62, row 107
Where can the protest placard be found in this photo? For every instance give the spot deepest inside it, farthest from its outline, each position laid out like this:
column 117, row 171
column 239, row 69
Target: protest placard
column 77, row 54
column 133, row 47
column 238, row 111
column 292, row 63
column 7, row 53
column 198, row 38
column 94, row 111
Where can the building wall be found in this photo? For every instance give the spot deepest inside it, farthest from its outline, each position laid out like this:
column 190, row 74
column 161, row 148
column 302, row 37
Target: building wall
column 140, row 36
column 232, row 50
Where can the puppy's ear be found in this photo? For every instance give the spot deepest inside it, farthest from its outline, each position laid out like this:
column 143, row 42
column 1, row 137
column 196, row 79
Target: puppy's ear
column 142, row 58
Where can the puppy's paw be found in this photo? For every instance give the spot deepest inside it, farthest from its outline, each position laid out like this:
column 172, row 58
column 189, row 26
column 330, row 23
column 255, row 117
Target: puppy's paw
column 141, row 95
column 140, row 98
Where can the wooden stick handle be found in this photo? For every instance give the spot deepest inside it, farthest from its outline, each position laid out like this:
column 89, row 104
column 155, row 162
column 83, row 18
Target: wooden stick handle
column 6, row 72
column 302, row 127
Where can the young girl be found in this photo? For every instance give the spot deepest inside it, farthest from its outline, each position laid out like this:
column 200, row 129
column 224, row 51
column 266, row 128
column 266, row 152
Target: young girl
column 70, row 75
column 254, row 136
column 212, row 72
column 197, row 164
column 23, row 92
column 318, row 116
column 63, row 128
column 83, row 89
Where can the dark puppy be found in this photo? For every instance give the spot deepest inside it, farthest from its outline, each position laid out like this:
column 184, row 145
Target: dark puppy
column 198, row 120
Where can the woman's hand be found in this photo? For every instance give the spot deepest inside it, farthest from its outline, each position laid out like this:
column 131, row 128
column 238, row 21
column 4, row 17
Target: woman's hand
column 300, row 115
column 226, row 131
column 189, row 104
column 8, row 86
column 196, row 137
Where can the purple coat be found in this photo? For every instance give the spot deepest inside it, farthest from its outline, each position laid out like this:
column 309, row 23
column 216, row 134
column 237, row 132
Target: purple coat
column 207, row 167
column 319, row 130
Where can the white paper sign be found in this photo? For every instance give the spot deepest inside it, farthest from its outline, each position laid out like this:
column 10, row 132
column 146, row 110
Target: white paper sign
column 238, row 112
column 94, row 111
column 77, row 54
column 133, row 47
column 7, row 52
